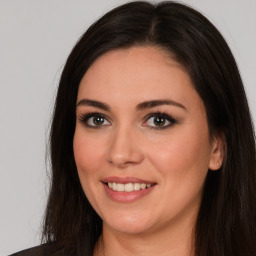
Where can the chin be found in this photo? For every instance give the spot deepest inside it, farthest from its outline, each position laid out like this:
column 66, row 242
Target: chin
column 129, row 229
column 129, row 224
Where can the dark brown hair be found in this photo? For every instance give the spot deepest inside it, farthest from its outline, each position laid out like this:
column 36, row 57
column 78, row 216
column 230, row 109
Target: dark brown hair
column 227, row 216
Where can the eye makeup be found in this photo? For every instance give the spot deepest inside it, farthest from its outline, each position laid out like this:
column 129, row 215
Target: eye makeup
column 94, row 120
column 159, row 121
column 155, row 120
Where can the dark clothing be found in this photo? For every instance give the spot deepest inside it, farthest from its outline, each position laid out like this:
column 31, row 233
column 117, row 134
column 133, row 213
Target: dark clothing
column 41, row 250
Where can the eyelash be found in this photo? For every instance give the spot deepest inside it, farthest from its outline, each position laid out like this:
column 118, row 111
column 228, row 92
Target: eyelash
column 85, row 117
column 162, row 115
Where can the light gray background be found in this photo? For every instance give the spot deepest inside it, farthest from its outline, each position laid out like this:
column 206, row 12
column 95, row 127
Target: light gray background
column 35, row 40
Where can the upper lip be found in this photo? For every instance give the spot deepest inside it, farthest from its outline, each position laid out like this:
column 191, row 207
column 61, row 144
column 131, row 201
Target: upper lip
column 124, row 180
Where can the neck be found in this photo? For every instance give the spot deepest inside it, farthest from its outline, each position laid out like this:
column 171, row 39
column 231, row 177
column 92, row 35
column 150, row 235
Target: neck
column 172, row 240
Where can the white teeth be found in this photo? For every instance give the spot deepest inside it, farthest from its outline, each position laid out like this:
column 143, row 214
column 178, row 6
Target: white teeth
column 143, row 185
column 136, row 186
column 114, row 186
column 120, row 187
column 128, row 187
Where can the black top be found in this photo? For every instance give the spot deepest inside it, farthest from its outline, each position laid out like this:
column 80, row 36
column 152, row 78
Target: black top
column 41, row 250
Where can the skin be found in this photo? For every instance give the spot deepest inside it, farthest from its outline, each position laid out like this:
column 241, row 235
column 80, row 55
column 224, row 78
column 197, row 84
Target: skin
column 127, row 144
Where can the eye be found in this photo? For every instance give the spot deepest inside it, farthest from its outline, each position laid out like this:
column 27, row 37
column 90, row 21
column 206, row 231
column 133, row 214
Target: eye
column 159, row 121
column 97, row 121
column 94, row 120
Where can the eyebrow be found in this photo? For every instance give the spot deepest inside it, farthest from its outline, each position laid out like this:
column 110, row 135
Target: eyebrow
column 156, row 103
column 139, row 107
column 93, row 103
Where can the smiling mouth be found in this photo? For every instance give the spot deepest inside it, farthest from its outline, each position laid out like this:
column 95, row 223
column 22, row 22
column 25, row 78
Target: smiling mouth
column 128, row 187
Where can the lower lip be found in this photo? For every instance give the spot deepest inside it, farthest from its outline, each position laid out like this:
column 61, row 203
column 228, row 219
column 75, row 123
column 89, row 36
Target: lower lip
column 126, row 197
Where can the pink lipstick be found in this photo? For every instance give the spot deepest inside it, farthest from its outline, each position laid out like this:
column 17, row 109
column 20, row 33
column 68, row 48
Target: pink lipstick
column 127, row 189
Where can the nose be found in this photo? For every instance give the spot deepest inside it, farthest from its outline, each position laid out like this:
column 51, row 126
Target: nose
column 125, row 148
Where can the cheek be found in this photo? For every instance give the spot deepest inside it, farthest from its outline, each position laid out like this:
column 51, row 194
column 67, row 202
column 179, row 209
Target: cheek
column 182, row 162
column 182, row 154
column 88, row 152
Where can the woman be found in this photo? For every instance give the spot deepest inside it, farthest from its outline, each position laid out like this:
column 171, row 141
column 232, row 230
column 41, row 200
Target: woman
column 152, row 144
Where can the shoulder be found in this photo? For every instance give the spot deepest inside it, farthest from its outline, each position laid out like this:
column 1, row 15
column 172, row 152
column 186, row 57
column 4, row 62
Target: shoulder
column 41, row 250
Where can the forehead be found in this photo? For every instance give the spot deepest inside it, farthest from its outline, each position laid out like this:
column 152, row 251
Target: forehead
column 126, row 61
column 137, row 73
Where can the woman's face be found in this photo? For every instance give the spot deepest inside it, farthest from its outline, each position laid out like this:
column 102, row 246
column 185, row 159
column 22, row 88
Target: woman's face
column 141, row 144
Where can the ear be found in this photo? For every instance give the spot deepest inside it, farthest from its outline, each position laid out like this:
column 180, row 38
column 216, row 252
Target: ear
column 217, row 152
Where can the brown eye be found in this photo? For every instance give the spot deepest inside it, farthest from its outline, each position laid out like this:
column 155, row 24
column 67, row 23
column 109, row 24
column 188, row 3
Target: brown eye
column 98, row 120
column 159, row 121
column 94, row 120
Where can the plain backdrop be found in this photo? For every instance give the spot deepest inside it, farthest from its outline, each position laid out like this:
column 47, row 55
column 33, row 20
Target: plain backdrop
column 35, row 40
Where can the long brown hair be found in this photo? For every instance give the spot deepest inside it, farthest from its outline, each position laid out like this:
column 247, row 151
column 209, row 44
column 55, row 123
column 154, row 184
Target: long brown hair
column 226, row 224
